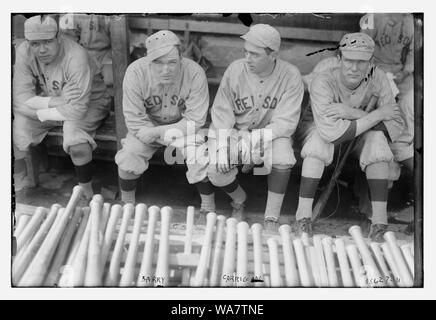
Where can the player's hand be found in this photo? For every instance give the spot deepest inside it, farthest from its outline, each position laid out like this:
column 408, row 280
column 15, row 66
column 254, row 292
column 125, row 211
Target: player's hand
column 223, row 163
column 148, row 135
column 399, row 76
column 389, row 112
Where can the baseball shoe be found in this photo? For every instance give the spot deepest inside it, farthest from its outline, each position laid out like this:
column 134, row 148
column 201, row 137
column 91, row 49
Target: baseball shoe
column 271, row 225
column 201, row 217
column 377, row 231
column 238, row 211
column 304, row 225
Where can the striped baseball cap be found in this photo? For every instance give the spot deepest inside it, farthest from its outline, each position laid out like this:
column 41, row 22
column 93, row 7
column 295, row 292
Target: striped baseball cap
column 263, row 35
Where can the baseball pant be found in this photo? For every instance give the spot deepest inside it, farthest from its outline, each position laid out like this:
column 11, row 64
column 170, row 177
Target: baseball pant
column 28, row 131
column 135, row 155
column 371, row 147
column 281, row 153
column 403, row 147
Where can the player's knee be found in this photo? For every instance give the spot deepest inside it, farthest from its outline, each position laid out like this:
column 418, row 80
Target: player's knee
column 130, row 162
column 318, row 149
column 375, row 149
column 219, row 179
column 80, row 152
column 282, row 166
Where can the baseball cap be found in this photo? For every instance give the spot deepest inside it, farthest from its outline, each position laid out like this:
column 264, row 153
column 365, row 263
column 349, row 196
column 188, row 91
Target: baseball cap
column 40, row 28
column 357, row 46
column 263, row 35
column 160, row 43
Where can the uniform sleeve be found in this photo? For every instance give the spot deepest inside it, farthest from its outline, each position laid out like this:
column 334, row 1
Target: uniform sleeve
column 321, row 96
column 367, row 25
column 134, row 110
column 409, row 60
column 394, row 127
column 79, row 75
column 222, row 112
column 285, row 118
column 197, row 104
column 25, row 83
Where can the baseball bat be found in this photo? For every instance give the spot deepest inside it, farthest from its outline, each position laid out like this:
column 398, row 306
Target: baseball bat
column 317, row 243
column 99, row 198
column 35, row 274
column 375, row 247
column 358, row 270
column 330, row 262
column 291, row 272
column 127, row 278
column 405, row 275
column 162, row 273
column 256, row 231
column 368, row 262
column 274, row 268
column 313, row 265
column 200, row 273
column 186, row 275
column 114, row 266
column 347, row 280
column 242, row 258
column 114, row 216
column 324, row 197
column 31, row 228
column 36, row 270
column 392, row 264
column 61, row 252
column 25, row 256
column 147, row 259
column 303, row 270
column 105, row 218
column 216, row 258
column 21, row 224
column 305, row 239
column 93, row 264
column 67, row 271
column 409, row 258
column 229, row 253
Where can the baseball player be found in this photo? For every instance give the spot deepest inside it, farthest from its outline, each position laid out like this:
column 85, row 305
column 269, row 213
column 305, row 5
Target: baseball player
column 163, row 92
column 393, row 34
column 258, row 95
column 393, row 53
column 93, row 33
column 56, row 84
column 339, row 97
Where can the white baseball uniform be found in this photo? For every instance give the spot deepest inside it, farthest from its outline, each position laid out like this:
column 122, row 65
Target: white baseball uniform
column 245, row 101
column 147, row 103
column 318, row 131
column 393, row 52
column 73, row 67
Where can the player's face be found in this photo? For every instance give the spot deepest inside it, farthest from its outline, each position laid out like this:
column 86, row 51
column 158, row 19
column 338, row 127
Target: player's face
column 46, row 51
column 354, row 71
column 167, row 67
column 256, row 58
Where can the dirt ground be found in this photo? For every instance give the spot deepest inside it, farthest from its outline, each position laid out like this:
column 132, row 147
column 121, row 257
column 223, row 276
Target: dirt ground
column 167, row 186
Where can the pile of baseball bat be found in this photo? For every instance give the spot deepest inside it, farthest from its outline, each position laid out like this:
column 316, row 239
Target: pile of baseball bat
column 96, row 246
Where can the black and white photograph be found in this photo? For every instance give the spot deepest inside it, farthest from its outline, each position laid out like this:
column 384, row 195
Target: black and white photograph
column 216, row 150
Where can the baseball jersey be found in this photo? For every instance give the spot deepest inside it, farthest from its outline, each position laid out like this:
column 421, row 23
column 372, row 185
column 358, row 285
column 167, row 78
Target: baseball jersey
column 394, row 41
column 327, row 88
column 324, row 64
column 146, row 102
column 245, row 101
column 90, row 30
column 72, row 67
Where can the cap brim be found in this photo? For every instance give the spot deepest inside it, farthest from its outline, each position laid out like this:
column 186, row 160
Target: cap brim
column 155, row 54
column 34, row 36
column 253, row 40
column 357, row 55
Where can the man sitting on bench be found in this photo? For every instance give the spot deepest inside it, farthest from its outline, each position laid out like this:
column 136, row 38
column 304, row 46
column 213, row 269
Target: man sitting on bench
column 56, row 84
